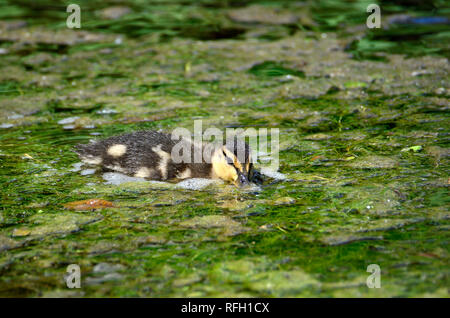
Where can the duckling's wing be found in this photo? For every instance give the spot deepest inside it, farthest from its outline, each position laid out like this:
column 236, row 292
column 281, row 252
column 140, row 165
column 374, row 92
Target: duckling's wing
column 142, row 153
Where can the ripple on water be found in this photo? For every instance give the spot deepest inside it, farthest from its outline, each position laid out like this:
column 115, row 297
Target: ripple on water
column 116, row 178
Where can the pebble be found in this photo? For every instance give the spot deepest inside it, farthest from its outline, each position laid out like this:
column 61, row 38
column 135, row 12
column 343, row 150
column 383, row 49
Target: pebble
column 68, row 120
column 87, row 172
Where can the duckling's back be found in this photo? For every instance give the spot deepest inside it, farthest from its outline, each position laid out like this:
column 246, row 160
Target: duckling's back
column 145, row 154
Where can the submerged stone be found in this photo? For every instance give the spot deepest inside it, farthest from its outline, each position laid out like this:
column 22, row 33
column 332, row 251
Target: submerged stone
column 347, row 239
column 20, row 232
column 284, row 201
column 6, row 243
column 228, row 225
column 63, row 223
column 150, row 240
column 234, row 205
column 374, row 162
column 375, row 200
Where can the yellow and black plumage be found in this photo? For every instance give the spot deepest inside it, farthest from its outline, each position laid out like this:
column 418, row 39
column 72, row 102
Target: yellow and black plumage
column 147, row 154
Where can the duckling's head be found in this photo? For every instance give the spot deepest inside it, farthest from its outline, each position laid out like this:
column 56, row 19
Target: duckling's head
column 232, row 162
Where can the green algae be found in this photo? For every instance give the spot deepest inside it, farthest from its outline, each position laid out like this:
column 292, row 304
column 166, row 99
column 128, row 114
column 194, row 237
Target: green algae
column 270, row 68
column 351, row 197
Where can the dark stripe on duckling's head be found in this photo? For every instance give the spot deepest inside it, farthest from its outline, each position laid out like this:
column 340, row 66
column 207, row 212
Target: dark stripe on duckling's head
column 231, row 162
column 239, row 148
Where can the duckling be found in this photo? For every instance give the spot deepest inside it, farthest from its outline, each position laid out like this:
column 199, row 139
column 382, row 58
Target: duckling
column 147, row 154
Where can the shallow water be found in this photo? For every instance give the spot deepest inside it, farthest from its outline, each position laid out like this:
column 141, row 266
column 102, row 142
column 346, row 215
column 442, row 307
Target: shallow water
column 364, row 151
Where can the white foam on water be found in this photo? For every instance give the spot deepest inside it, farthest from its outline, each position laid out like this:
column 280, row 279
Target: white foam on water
column 87, row 172
column 251, row 188
column 116, row 178
column 76, row 167
column 196, row 183
column 107, row 111
column 273, row 174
